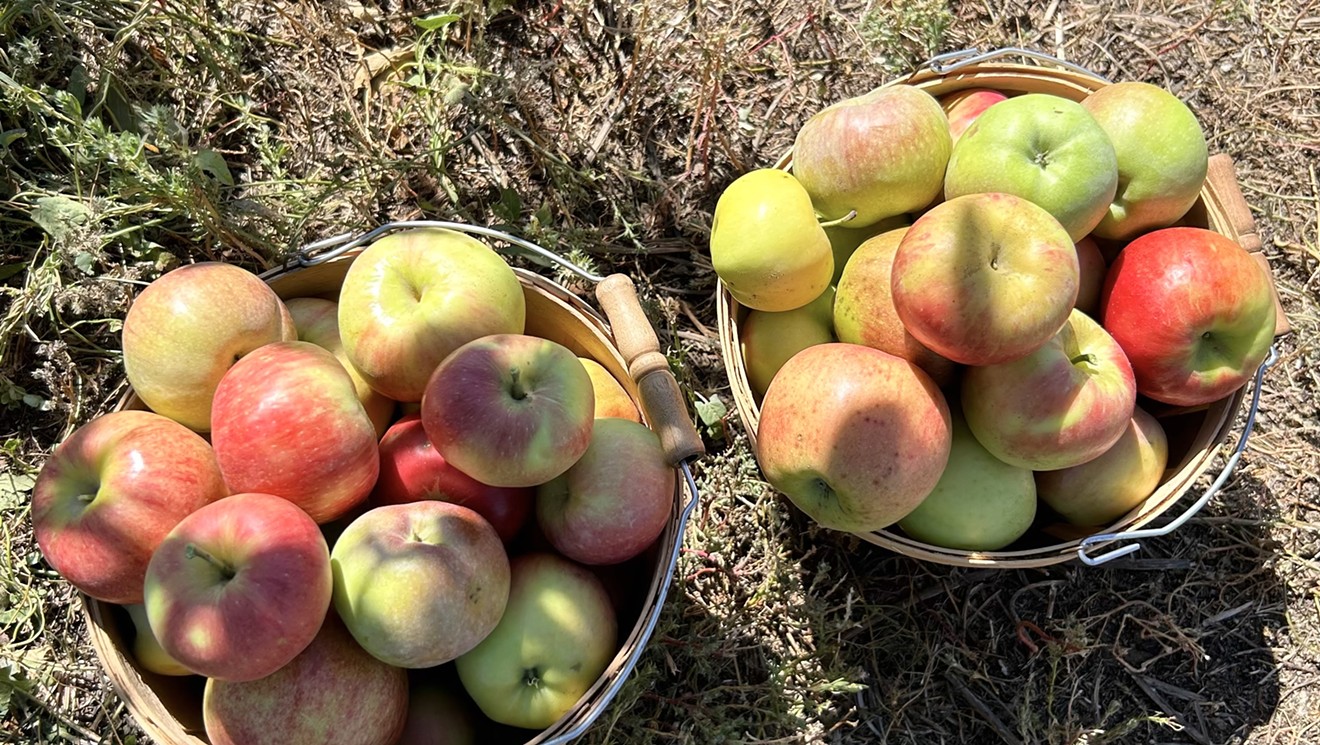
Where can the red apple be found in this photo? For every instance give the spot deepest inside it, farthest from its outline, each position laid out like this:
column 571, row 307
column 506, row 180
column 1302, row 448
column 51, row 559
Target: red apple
column 962, row 107
column 287, row 421
column 419, row 584
column 614, row 501
column 510, row 409
column 239, row 587
column 880, row 154
column 439, row 715
column 188, row 327
column 864, row 311
column 110, row 493
column 985, row 278
column 411, row 470
column 333, row 693
column 414, row 296
column 1059, row 406
column 855, row 437
column 317, row 321
column 1091, row 276
column 1192, row 310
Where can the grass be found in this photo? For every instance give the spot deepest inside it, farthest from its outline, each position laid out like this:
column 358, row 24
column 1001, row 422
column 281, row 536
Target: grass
column 135, row 136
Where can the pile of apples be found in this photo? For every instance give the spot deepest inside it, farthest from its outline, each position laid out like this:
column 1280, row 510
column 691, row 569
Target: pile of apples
column 332, row 507
column 963, row 308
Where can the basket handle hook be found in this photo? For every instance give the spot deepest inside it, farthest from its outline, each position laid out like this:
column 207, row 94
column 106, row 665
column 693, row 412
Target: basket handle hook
column 1233, row 458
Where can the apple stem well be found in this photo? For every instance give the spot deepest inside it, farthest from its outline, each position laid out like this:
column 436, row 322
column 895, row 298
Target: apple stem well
column 193, row 552
column 516, row 388
column 532, row 677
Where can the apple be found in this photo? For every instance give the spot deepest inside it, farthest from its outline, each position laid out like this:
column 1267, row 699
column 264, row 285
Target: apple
column 438, row 715
column 964, row 106
column 317, row 321
column 844, row 240
column 770, row 339
column 185, row 330
column 414, row 296
column 1091, row 268
column 1059, row 406
column 239, row 587
column 419, row 584
column 864, row 311
column 1192, row 310
column 287, row 421
column 1161, row 153
column 611, row 398
column 766, row 245
column 880, row 154
column 980, row 502
column 855, row 437
column 510, row 409
column 985, row 278
column 411, row 470
column 557, row 636
column 112, row 491
column 333, row 693
column 1103, row 489
column 1043, row 148
column 147, row 650
column 614, row 501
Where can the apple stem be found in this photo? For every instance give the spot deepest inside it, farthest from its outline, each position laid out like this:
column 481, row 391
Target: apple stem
column 1085, row 358
column 831, row 223
column 191, row 551
column 87, row 498
column 515, row 387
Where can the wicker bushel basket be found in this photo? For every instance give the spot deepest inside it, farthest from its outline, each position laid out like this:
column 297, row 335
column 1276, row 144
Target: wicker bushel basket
column 169, row 709
column 1197, row 436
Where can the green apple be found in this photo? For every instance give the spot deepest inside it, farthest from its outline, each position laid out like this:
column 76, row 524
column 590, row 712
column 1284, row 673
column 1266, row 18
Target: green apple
column 864, row 311
column 766, row 245
column 556, row 637
column 855, row 437
column 317, row 321
column 1043, row 148
column 186, row 329
column 420, row 583
column 770, row 339
column 414, row 296
column 1059, row 406
column 146, row 648
column 879, row 155
column 980, row 503
column 844, row 240
column 985, row 278
column 1162, row 156
column 1101, row 490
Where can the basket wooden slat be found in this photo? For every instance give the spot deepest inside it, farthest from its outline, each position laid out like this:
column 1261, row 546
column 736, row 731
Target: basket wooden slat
column 1196, row 435
column 169, row 708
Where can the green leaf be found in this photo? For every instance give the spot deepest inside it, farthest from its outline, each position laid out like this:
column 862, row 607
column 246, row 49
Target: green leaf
column 9, row 270
column 509, row 207
column 711, row 411
column 85, row 262
column 432, row 23
column 14, row 488
column 9, row 137
column 212, row 163
column 59, row 215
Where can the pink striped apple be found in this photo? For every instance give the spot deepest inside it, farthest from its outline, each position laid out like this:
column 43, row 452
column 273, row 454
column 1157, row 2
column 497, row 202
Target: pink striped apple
column 110, row 494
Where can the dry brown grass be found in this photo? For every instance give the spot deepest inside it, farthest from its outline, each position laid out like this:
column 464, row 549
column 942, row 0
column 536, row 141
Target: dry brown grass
column 608, row 130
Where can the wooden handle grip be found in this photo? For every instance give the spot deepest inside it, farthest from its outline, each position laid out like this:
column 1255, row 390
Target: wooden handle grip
column 1221, row 178
column 662, row 400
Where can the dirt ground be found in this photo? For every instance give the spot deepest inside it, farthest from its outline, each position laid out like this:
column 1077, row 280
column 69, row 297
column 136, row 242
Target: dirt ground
column 138, row 135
